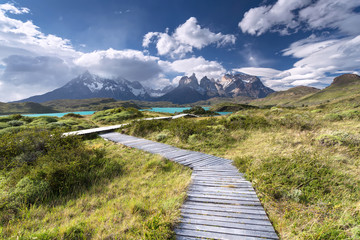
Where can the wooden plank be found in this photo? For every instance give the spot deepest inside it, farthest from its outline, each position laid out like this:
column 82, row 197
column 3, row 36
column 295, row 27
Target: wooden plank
column 227, row 219
column 224, row 201
column 233, row 225
column 251, row 196
column 234, row 231
column 219, row 208
column 211, row 196
column 229, row 214
column 212, row 235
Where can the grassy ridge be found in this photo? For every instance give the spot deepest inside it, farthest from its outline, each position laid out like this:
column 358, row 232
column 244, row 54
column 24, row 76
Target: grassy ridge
column 27, row 107
column 304, row 163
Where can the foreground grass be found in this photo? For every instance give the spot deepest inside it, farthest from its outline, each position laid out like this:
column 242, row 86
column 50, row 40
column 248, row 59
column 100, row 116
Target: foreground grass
column 303, row 163
column 141, row 202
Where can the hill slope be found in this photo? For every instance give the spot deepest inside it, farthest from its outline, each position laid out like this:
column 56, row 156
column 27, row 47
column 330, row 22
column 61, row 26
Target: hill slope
column 94, row 104
column 343, row 86
column 25, row 107
column 287, row 97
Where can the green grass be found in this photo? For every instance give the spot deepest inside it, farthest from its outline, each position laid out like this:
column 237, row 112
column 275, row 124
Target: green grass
column 16, row 123
column 116, row 116
column 304, row 165
column 126, row 193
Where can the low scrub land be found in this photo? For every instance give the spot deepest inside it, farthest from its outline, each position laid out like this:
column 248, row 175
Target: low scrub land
column 303, row 162
column 54, row 187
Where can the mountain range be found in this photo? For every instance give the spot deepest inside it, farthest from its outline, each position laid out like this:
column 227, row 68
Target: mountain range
column 189, row 89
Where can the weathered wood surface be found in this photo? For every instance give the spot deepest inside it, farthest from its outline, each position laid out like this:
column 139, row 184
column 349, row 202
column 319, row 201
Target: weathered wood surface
column 221, row 204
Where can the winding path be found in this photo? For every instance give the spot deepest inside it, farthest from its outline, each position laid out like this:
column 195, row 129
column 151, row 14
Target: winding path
column 221, row 204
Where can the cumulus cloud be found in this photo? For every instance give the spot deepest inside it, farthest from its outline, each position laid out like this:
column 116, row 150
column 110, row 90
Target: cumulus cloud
column 32, row 62
column 130, row 64
column 319, row 58
column 185, row 38
column 198, row 65
column 286, row 15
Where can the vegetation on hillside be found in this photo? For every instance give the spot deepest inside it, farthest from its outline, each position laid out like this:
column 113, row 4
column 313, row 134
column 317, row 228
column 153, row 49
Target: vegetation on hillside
column 304, row 162
column 231, row 107
column 26, row 107
column 197, row 110
column 116, row 115
column 91, row 104
column 15, row 123
column 286, row 98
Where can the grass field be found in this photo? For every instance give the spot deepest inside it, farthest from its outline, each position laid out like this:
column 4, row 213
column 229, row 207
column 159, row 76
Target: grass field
column 131, row 194
column 304, row 162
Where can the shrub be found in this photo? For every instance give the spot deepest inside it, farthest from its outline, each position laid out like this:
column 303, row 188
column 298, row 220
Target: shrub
column 245, row 122
column 15, row 123
column 197, row 110
column 296, row 121
column 339, row 138
column 333, row 117
column 116, row 115
column 4, row 125
column 41, row 164
column 72, row 115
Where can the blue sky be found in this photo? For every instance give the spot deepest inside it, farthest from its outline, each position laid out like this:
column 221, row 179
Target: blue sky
column 287, row 43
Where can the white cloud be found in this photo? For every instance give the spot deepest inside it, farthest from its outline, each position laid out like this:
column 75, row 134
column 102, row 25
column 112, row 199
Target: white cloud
column 319, row 58
column 286, row 15
column 337, row 14
column 259, row 72
column 185, row 38
column 130, row 64
column 32, row 62
column 200, row 66
column 258, row 20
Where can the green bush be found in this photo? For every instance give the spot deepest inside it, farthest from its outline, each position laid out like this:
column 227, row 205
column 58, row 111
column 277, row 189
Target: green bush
column 245, row 122
column 4, row 125
column 333, row 117
column 40, row 164
column 15, row 123
column 339, row 138
column 296, row 121
column 116, row 115
column 72, row 115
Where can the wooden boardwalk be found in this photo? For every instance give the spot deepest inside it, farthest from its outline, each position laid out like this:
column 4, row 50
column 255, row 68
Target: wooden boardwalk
column 221, row 204
column 114, row 127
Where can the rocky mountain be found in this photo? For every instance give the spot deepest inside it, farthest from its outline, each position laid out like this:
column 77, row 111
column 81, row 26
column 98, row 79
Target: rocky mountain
column 189, row 89
column 88, row 85
column 159, row 92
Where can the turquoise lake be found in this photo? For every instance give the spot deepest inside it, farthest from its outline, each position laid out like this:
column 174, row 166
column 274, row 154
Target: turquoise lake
column 164, row 110
column 58, row 114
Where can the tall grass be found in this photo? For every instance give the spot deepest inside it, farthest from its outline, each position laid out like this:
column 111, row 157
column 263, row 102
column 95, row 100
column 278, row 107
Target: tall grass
column 303, row 164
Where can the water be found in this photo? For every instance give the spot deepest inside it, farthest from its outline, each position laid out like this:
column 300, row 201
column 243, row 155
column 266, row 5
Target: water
column 58, row 114
column 176, row 110
column 157, row 109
